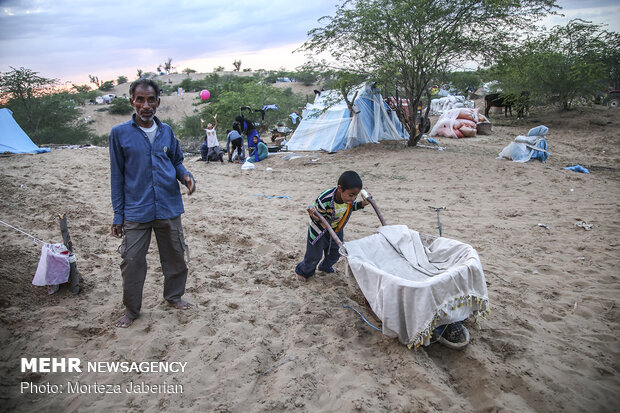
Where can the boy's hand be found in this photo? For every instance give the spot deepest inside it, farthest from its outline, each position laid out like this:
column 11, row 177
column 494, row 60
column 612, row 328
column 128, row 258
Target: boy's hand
column 312, row 214
column 365, row 200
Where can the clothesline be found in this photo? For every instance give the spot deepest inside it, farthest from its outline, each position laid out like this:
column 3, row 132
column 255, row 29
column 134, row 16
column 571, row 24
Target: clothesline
column 23, row 232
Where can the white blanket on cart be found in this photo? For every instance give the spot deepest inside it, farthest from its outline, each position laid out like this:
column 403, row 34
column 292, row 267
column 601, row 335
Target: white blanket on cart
column 413, row 288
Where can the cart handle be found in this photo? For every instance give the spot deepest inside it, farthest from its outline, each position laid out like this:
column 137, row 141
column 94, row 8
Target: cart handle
column 326, row 225
column 374, row 205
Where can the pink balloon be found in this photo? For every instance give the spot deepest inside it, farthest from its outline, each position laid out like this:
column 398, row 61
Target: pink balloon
column 205, row 94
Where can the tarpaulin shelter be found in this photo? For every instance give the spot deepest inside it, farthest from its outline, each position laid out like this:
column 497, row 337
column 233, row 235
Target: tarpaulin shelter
column 12, row 138
column 329, row 125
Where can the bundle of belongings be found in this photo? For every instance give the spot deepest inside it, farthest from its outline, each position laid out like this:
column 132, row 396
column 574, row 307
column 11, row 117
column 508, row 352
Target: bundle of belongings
column 524, row 148
column 418, row 289
column 446, row 103
column 459, row 123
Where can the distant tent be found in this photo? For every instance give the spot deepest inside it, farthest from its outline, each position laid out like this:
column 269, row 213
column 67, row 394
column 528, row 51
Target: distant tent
column 334, row 128
column 12, row 138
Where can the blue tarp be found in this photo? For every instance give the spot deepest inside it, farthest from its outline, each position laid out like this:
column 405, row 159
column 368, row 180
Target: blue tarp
column 327, row 123
column 12, row 138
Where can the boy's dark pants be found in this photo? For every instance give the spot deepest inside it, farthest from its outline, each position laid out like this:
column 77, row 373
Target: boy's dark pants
column 171, row 245
column 314, row 253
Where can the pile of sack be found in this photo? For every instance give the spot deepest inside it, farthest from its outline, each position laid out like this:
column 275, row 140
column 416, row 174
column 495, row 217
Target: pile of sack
column 525, row 148
column 459, row 123
column 446, row 103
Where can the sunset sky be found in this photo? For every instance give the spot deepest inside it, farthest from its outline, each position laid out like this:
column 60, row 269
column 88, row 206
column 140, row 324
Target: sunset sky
column 69, row 39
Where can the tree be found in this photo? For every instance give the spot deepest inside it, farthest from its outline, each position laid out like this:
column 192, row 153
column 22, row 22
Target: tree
column 46, row 114
column 22, row 89
column 237, row 65
column 121, row 79
column 107, row 85
column 168, row 68
column 188, row 71
column 403, row 45
column 218, row 69
column 95, row 80
column 569, row 64
column 139, row 72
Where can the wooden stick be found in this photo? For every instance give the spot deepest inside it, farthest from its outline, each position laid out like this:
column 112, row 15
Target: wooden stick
column 328, row 227
column 74, row 278
column 379, row 214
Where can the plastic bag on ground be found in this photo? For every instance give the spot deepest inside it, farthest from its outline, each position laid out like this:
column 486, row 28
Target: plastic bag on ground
column 53, row 265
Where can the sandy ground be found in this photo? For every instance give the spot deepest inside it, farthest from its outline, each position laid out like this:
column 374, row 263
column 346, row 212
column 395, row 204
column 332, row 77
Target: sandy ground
column 259, row 340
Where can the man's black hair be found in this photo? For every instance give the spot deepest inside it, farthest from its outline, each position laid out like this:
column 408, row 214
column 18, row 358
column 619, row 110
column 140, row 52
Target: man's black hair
column 144, row 83
column 350, row 180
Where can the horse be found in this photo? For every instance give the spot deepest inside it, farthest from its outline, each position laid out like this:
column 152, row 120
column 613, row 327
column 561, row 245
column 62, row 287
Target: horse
column 506, row 101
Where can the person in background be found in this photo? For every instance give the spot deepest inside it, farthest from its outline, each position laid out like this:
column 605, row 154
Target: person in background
column 261, row 152
column 210, row 150
column 234, row 141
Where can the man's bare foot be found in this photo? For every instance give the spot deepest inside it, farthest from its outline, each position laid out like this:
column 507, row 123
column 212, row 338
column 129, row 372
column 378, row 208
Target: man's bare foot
column 301, row 278
column 124, row 322
column 181, row 305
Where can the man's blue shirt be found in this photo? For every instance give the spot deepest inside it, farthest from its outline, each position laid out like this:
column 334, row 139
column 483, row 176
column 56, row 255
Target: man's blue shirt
column 143, row 176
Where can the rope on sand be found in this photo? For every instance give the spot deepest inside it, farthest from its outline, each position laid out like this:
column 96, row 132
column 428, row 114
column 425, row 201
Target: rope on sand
column 23, row 232
column 363, row 318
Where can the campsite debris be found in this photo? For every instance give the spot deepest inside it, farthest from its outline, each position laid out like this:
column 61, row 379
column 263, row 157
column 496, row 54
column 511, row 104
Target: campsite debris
column 438, row 210
column 584, row 225
column 74, row 278
column 274, row 196
column 578, row 168
column 544, row 226
column 292, row 156
column 363, row 318
column 275, row 366
column 525, row 148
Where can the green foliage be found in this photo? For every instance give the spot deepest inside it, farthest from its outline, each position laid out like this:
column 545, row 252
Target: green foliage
column 121, row 79
column 107, row 86
column 187, row 71
column 190, row 127
column 46, row 115
column 464, row 82
column 218, row 69
column 121, row 106
column 230, row 93
column 568, row 65
column 407, row 44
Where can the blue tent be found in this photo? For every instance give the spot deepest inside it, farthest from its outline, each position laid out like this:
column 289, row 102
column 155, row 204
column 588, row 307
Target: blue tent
column 12, row 138
column 327, row 123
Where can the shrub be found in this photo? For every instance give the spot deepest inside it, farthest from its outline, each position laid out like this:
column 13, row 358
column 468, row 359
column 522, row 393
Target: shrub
column 121, row 106
column 121, row 80
column 107, row 85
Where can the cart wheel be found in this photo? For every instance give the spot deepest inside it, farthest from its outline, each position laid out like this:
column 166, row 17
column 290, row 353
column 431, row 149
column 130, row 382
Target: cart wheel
column 614, row 103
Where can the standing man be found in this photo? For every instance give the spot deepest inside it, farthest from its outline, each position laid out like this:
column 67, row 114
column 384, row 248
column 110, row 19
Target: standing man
column 145, row 163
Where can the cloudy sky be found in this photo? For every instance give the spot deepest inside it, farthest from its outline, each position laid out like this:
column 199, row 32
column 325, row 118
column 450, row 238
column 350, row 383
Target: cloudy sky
column 70, row 39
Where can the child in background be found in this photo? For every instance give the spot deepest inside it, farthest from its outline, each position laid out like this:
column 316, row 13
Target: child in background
column 210, row 149
column 234, row 142
column 261, row 152
column 335, row 205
